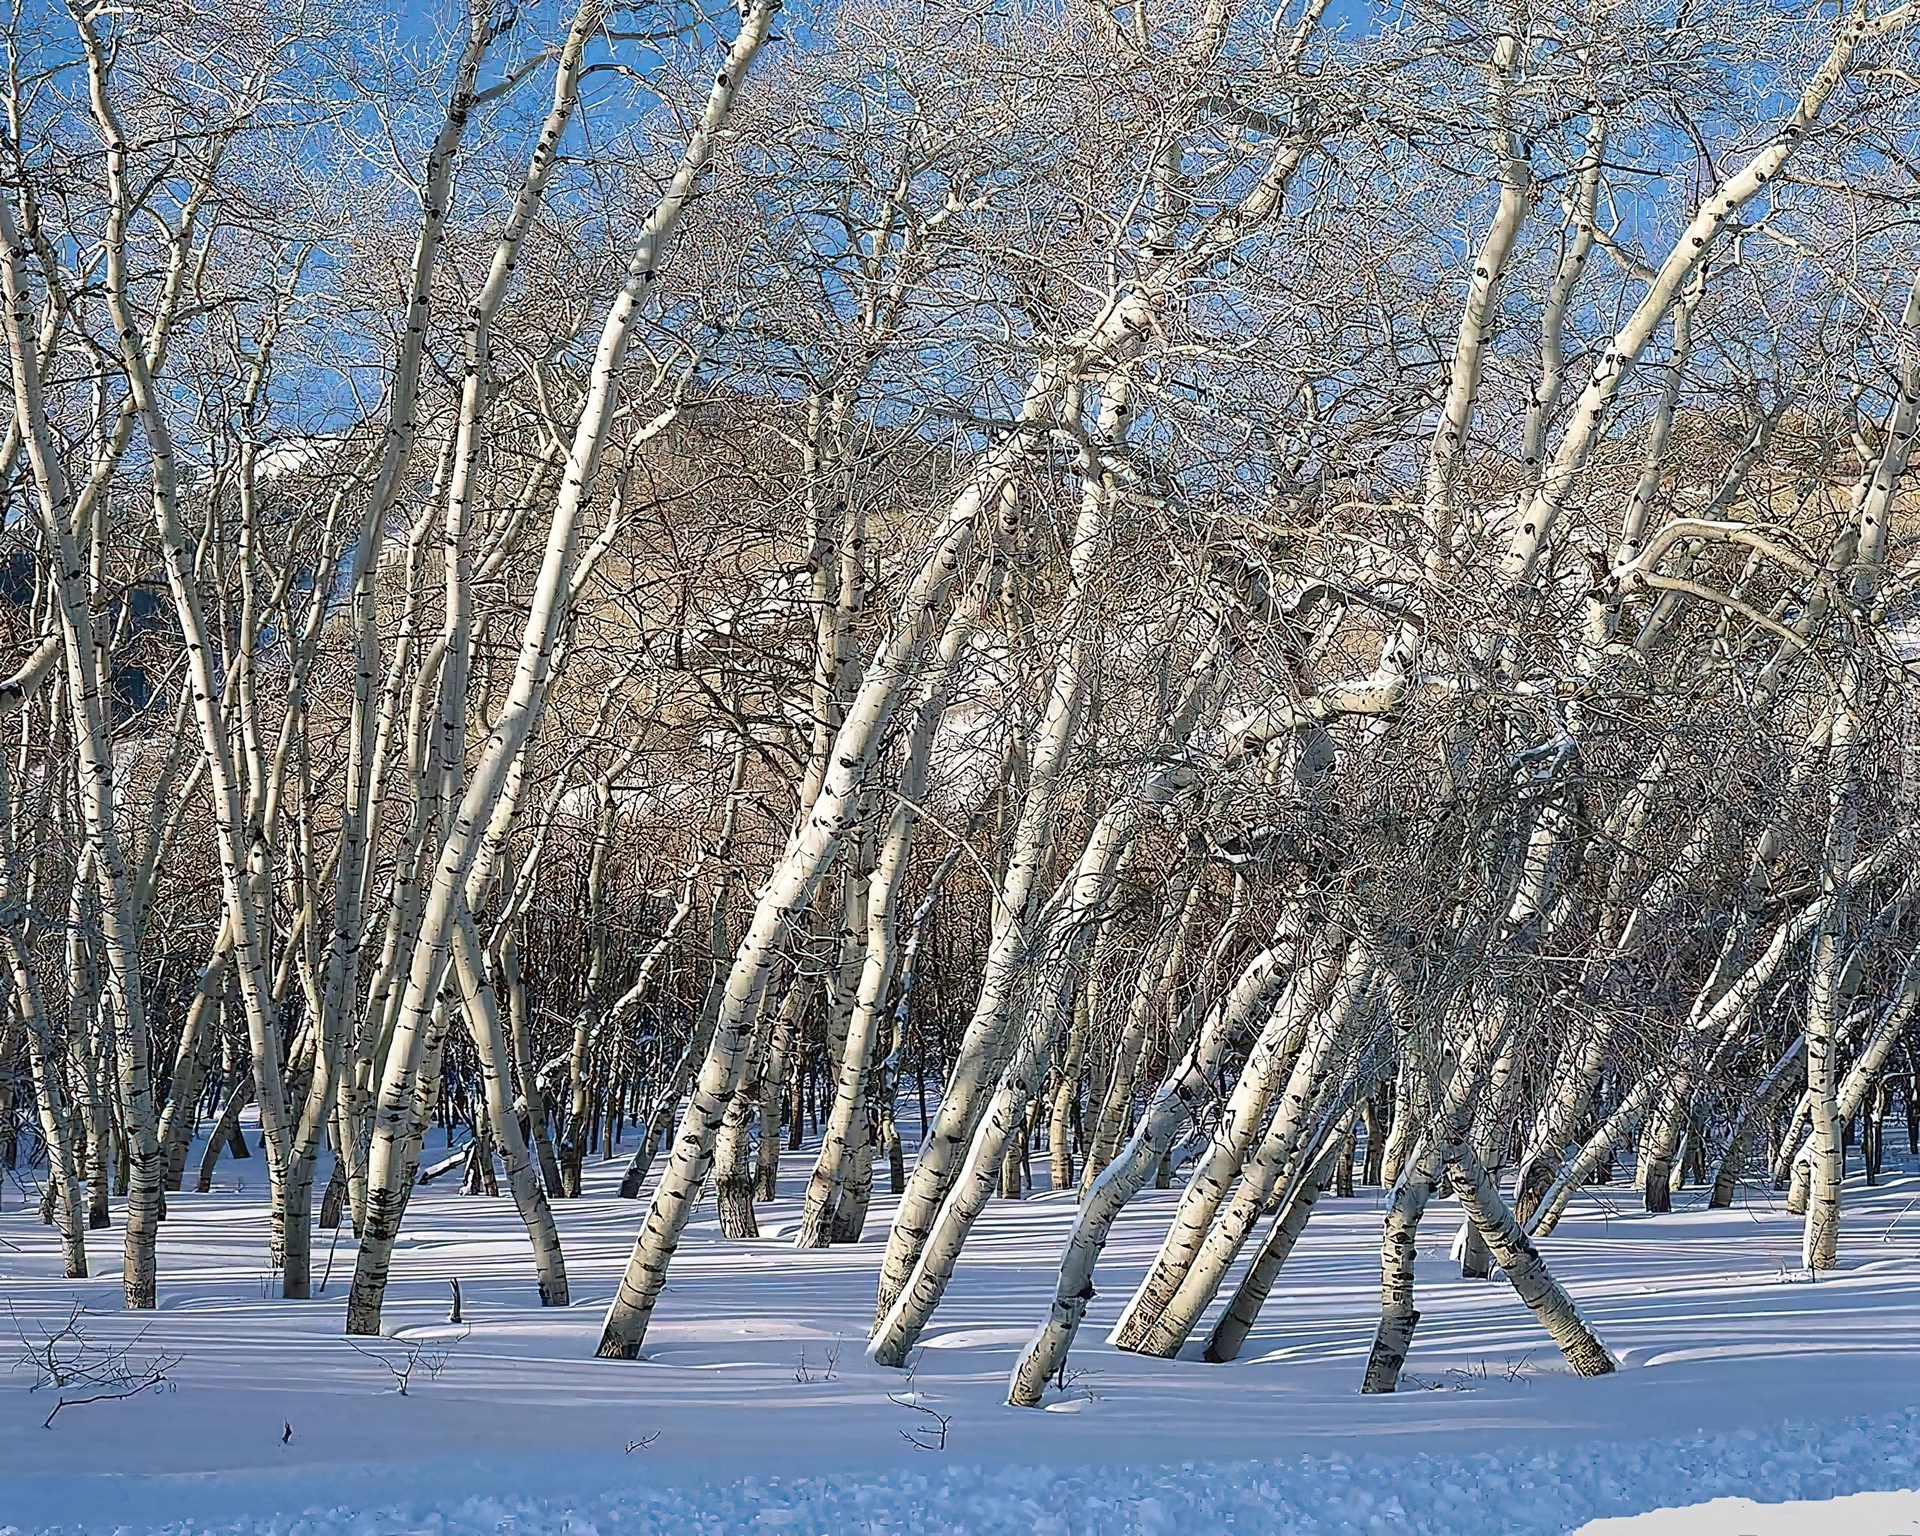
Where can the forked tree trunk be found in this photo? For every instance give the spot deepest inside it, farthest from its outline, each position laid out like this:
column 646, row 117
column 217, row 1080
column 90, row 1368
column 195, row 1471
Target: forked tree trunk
column 189, row 1074
column 225, row 1129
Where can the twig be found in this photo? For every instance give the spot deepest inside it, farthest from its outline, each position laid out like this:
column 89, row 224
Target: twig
column 330, row 1252
column 923, row 1437
column 154, row 1382
column 417, row 1354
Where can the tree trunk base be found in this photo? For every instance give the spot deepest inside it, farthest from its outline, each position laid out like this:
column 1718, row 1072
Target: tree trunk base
column 1391, row 1341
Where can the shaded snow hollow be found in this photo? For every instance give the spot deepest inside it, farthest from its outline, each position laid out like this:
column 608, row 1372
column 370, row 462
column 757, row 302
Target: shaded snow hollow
column 1738, row 1380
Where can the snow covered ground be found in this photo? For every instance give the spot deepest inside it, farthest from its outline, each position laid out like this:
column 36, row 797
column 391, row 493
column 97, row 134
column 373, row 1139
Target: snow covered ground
column 1884, row 1514
column 756, row 1409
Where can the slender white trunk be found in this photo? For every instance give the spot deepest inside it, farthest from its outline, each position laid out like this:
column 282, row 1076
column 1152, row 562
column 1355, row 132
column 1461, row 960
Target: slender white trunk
column 1760, row 1110
column 1057, row 981
column 1393, row 1338
column 1151, row 1330
column 56, row 1119
column 482, row 1014
column 92, row 739
column 1152, row 992
column 1187, row 1091
column 876, row 973
column 789, row 891
column 1224, row 1343
column 409, row 1054
column 1618, row 355
column 1825, row 999
column 1246, row 1111
column 983, row 1044
column 1479, row 318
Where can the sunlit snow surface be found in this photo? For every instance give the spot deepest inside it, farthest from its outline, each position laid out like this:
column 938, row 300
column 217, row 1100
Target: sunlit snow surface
column 1739, row 1379
column 1855, row 1514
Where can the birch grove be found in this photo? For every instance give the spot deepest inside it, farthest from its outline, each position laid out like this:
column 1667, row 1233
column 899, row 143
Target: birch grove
column 997, row 598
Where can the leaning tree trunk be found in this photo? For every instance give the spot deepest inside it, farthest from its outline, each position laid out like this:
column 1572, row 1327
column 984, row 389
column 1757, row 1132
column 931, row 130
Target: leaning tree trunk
column 1187, row 1091
column 1759, row 1111
column 1169, row 1301
column 846, row 1133
column 1247, row 1108
column 392, row 1145
column 984, row 1043
column 226, row 1129
column 1084, row 895
column 788, row 891
column 1525, row 1269
column 1223, row 1344
column 1153, row 989
column 189, row 1073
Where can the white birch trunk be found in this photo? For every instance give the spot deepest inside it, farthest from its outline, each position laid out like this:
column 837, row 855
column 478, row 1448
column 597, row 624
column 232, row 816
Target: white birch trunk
column 389, row 1153
column 1246, row 1111
column 1161, row 1331
column 788, row 892
column 1525, row 1269
column 1151, row 995
column 983, row 1043
column 1243, row 1311
column 876, row 973
column 482, row 1014
column 1187, row 1091
column 92, row 739
column 1393, row 1338
column 1069, row 933
column 1824, row 997
column 1619, row 355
